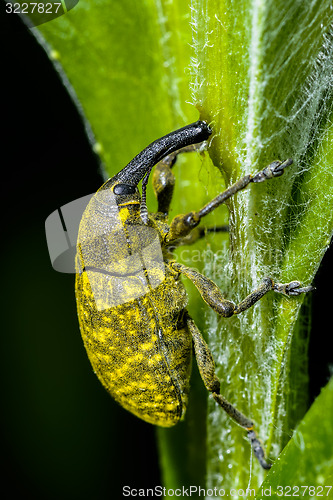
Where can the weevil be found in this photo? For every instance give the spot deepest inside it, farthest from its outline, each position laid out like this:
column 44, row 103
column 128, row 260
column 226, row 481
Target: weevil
column 131, row 302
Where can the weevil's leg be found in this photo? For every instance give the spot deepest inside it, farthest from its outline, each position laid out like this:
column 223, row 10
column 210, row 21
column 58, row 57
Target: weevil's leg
column 163, row 183
column 212, row 295
column 182, row 224
column 164, row 179
column 200, row 232
column 207, row 371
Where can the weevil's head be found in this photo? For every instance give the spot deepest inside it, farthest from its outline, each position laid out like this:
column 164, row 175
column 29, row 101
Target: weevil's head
column 122, row 193
column 122, row 189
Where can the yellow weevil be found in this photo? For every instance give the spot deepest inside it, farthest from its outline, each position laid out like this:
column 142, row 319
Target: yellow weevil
column 130, row 299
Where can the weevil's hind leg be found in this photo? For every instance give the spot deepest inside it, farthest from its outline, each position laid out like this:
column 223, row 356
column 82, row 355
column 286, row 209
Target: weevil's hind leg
column 207, row 371
column 212, row 295
column 164, row 179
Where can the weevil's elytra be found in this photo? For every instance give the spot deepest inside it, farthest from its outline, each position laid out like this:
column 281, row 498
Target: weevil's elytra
column 130, row 299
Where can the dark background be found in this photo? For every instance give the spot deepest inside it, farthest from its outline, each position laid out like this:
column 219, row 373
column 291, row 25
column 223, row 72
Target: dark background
column 62, row 435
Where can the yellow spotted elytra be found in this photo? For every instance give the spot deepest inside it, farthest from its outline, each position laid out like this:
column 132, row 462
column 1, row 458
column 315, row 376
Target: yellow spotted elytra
column 130, row 299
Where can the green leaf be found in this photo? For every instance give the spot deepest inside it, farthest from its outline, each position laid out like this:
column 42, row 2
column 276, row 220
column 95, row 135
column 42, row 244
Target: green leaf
column 307, row 460
column 120, row 62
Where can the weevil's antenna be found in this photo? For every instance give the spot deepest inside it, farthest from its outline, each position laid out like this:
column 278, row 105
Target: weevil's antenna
column 143, row 204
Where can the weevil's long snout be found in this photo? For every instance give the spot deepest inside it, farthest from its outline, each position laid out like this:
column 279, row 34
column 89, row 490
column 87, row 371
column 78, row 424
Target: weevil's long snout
column 142, row 164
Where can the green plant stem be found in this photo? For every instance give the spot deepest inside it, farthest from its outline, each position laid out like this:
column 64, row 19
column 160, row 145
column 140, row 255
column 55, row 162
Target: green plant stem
column 262, row 77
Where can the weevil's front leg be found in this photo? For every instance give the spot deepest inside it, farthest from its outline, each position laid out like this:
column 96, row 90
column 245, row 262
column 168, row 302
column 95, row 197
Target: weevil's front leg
column 182, row 224
column 164, row 182
column 207, row 371
column 212, row 295
column 200, row 232
column 164, row 179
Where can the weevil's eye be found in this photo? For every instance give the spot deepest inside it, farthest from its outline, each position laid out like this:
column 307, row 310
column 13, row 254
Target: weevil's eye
column 124, row 189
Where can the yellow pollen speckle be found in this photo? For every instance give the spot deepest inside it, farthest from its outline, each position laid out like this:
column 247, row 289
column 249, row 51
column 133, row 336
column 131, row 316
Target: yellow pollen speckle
column 170, row 406
column 147, row 346
column 134, row 359
column 142, row 386
column 154, row 360
column 120, row 371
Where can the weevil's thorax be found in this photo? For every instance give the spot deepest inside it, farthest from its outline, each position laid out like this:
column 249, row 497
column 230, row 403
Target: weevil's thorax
column 101, row 232
column 121, row 255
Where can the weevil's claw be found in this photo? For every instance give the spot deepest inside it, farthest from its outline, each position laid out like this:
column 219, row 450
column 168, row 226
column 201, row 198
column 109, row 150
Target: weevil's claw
column 298, row 291
column 280, row 168
column 258, row 450
column 274, row 169
column 292, row 289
